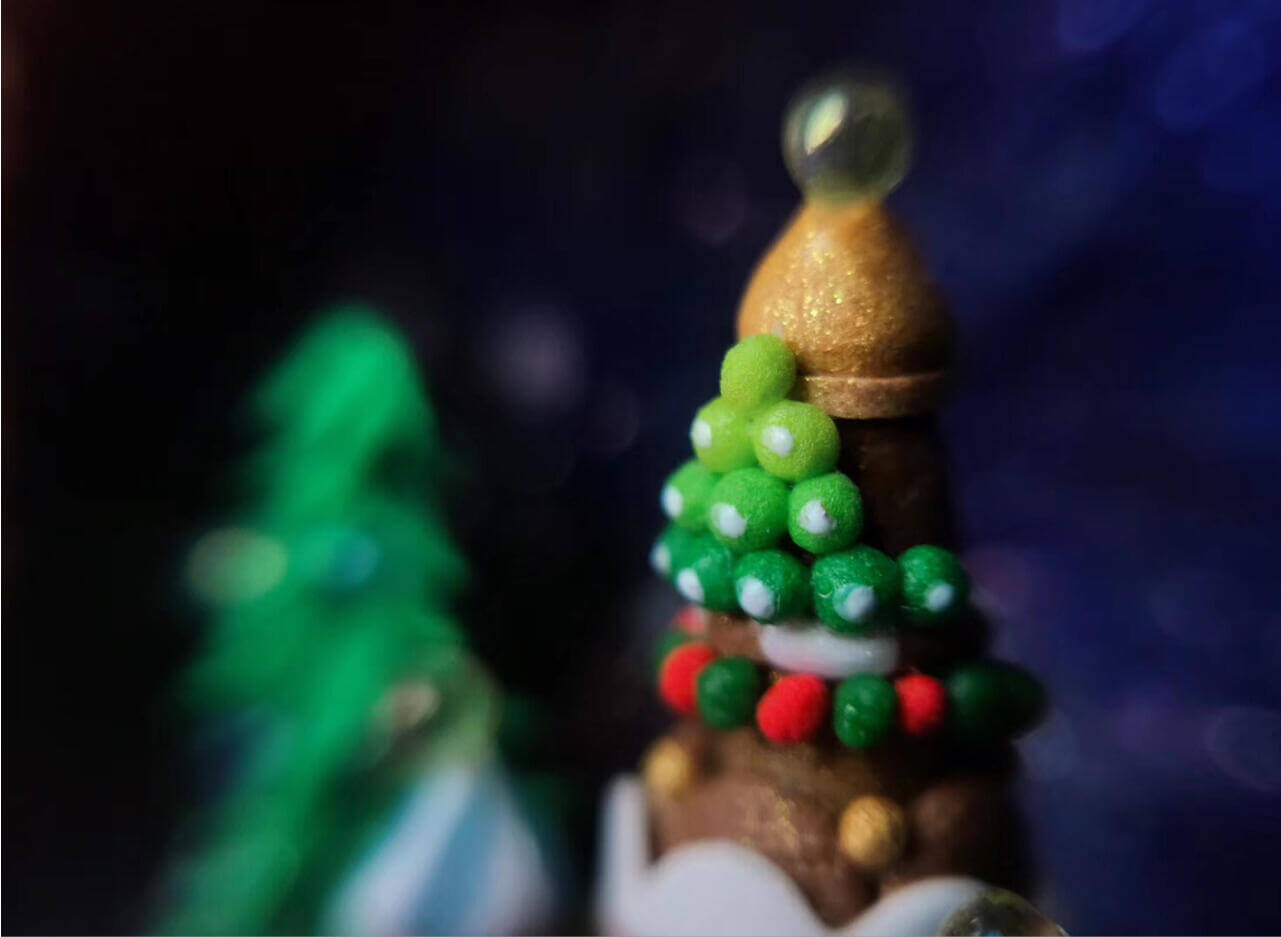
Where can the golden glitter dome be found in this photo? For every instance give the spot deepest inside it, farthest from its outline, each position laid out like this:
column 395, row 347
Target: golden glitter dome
column 843, row 285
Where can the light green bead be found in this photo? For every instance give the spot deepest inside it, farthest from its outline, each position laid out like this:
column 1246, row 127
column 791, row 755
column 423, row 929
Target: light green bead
column 795, row 440
column 747, row 510
column 772, row 585
column 935, row 586
column 720, row 437
column 856, row 591
column 685, row 495
column 704, row 574
column 825, row 514
column 758, row 370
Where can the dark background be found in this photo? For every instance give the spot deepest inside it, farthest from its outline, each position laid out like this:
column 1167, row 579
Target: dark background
column 560, row 205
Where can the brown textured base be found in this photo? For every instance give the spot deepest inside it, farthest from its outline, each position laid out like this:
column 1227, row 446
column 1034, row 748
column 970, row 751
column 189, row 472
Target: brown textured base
column 784, row 802
column 898, row 466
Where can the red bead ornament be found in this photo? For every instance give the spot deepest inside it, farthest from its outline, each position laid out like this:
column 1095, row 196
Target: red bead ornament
column 692, row 620
column 792, row 709
column 678, row 677
column 922, row 703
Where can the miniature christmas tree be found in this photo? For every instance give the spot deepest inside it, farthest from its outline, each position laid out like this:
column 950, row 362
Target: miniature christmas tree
column 839, row 715
column 330, row 634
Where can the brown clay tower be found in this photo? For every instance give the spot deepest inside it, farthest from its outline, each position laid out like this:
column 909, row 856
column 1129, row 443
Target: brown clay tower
column 839, row 715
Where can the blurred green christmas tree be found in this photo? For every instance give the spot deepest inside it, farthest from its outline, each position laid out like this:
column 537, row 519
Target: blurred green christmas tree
column 330, row 633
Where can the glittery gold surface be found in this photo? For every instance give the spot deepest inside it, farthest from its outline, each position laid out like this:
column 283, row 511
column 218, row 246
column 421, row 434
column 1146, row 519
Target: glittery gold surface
column 845, row 288
column 873, row 832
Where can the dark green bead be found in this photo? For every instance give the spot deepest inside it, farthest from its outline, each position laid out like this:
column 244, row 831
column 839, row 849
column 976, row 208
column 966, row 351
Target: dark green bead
column 989, row 700
column 672, row 551
column 856, row 591
column 705, row 576
column 772, row 585
column 667, row 642
column 935, row 586
column 863, row 710
column 727, row 692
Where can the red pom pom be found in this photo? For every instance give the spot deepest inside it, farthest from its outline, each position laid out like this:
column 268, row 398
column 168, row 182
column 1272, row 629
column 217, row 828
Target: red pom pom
column 922, row 703
column 678, row 677
column 792, row 709
column 692, row 620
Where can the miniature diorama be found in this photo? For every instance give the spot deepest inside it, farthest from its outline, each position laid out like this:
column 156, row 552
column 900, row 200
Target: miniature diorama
column 843, row 757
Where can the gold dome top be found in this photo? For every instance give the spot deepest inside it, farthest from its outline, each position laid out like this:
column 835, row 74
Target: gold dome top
column 845, row 288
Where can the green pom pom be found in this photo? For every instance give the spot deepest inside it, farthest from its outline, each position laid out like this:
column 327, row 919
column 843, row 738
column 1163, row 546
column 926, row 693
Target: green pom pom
column 795, row 440
column 989, row 700
column 935, row 586
column 705, row 574
column 856, row 591
column 825, row 513
column 721, row 438
column 672, row 551
column 685, row 495
column 727, row 692
column 748, row 509
column 758, row 370
column 667, row 642
column 863, row 710
column 772, row 585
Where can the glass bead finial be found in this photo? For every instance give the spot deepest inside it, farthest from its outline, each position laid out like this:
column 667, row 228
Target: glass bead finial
column 847, row 138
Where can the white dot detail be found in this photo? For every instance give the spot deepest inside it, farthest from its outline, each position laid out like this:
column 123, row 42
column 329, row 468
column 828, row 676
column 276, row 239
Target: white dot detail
column 688, row 585
column 855, row 602
column 755, row 598
column 815, row 520
column 660, row 558
column 673, row 501
column 700, row 434
column 728, row 521
column 778, row 440
column 940, row 597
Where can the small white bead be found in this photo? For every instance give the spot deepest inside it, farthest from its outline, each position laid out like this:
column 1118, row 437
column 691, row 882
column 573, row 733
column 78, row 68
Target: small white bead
column 778, row 440
column 755, row 598
column 939, row 597
column 661, row 559
column 687, row 584
column 728, row 521
column 815, row 520
column 700, row 434
column 673, row 501
column 856, row 603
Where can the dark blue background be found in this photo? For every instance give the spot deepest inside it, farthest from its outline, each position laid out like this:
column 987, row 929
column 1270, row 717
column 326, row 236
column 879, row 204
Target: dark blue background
column 561, row 206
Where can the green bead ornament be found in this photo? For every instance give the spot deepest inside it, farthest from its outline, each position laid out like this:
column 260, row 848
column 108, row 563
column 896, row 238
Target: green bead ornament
column 863, row 710
column 795, row 440
column 825, row 514
column 771, row 585
column 747, row 510
column 856, row 591
column 758, row 370
column 706, row 574
column 935, row 586
column 721, row 438
column 673, row 550
column 686, row 493
column 727, row 692
column 991, row 700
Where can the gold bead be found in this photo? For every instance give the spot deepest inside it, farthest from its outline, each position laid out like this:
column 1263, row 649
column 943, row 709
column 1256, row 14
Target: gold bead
column 873, row 832
column 669, row 769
